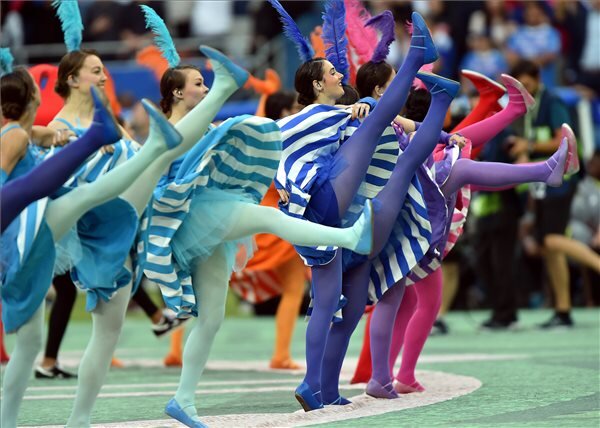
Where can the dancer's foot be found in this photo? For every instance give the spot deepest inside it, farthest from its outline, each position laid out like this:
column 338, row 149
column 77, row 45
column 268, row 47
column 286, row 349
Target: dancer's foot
column 174, row 410
column 517, row 94
column 161, row 130
column 172, row 360
column 286, row 364
column 556, row 164
column 360, row 377
column 167, row 323
column 340, row 401
column 224, row 67
column 363, row 230
column 438, row 84
column 104, row 125
column 54, row 372
column 572, row 164
column 422, row 40
column 308, row 399
column 402, row 388
column 484, row 85
column 375, row 389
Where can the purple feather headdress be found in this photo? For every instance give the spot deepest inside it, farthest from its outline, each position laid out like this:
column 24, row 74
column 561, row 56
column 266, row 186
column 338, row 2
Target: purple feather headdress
column 384, row 22
column 334, row 37
column 292, row 32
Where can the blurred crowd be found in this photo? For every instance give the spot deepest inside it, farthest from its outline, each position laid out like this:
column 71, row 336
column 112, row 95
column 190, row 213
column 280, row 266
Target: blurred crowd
column 513, row 254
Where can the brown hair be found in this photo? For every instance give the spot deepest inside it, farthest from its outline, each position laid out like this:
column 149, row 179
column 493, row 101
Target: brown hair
column 17, row 91
column 370, row 75
column 69, row 65
column 172, row 79
column 303, row 82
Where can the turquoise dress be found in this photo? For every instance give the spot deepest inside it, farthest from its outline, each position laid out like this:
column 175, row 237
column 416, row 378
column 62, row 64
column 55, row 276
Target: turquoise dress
column 27, row 256
column 96, row 248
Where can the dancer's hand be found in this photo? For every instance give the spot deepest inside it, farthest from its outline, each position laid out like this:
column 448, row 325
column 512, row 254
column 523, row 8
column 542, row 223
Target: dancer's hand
column 459, row 140
column 284, row 196
column 108, row 149
column 360, row 110
column 48, row 137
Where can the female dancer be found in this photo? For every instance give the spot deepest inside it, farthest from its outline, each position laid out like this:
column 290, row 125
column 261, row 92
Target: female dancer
column 319, row 179
column 28, row 260
column 372, row 80
column 217, row 208
column 464, row 171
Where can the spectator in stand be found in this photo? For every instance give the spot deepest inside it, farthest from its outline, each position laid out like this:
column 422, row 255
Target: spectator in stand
column 492, row 20
column 537, row 41
column 484, row 57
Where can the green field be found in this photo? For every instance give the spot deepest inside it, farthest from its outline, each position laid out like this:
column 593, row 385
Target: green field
column 529, row 378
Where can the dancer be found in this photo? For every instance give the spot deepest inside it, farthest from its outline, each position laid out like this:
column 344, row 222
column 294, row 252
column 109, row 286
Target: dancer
column 464, row 171
column 319, row 179
column 28, row 268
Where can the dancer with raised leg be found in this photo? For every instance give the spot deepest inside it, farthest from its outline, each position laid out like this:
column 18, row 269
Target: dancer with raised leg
column 319, row 179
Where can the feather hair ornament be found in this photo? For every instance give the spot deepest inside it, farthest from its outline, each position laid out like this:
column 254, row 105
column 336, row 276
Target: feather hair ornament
column 362, row 39
column 162, row 38
column 384, row 22
column 6, row 61
column 70, row 22
column 417, row 83
column 334, row 37
column 292, row 32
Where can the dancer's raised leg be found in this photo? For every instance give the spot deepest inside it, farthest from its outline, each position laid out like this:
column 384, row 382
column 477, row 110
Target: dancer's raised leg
column 497, row 174
column 358, row 149
column 48, row 176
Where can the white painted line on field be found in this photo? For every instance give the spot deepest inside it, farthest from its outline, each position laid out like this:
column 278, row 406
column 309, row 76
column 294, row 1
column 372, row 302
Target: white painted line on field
column 440, row 387
column 263, row 365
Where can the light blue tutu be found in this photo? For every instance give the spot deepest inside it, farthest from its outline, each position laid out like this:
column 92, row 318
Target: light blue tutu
column 191, row 214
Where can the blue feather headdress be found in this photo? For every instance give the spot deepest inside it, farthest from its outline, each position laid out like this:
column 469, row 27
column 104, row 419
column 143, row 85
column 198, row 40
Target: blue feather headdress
column 384, row 22
column 6, row 61
column 70, row 21
column 162, row 37
column 334, row 37
column 292, row 32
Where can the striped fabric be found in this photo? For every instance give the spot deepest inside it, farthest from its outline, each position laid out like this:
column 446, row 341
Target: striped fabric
column 310, row 140
column 242, row 161
column 458, row 205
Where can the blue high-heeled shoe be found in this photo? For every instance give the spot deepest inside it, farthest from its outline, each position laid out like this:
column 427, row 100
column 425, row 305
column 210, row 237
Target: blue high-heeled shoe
column 365, row 243
column 308, row 400
column 174, row 410
column 436, row 84
column 340, row 401
column 104, row 119
column 238, row 73
column 421, row 31
column 171, row 136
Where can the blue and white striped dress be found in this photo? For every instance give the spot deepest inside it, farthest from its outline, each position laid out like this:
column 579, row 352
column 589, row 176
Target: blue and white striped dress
column 188, row 222
column 310, row 140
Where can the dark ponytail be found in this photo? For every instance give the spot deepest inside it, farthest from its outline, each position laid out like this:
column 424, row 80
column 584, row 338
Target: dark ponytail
column 307, row 72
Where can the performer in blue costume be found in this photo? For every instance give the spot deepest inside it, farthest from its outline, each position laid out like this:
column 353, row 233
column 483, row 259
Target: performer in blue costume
column 325, row 161
column 29, row 254
column 205, row 208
